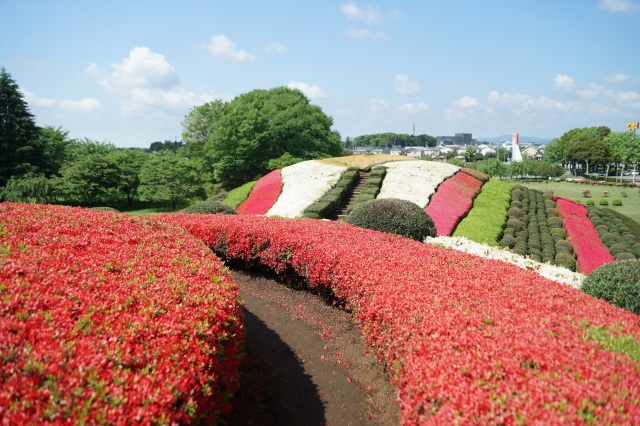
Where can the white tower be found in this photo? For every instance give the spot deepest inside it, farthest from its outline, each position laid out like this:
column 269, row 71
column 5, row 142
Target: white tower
column 516, row 155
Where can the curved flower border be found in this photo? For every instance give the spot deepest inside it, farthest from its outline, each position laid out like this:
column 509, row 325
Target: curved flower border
column 264, row 194
column 414, row 181
column 303, row 184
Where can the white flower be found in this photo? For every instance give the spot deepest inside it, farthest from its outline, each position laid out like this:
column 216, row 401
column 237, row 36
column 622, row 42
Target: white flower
column 554, row 273
column 302, row 184
column 414, row 181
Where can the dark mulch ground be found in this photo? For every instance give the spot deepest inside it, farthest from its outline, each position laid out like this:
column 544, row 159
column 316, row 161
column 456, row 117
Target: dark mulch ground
column 306, row 362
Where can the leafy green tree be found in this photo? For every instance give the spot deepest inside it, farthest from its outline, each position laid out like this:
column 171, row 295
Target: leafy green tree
column 586, row 146
column 129, row 162
column 91, row 179
column 492, row 167
column 263, row 125
column 625, row 146
column 56, row 145
column 165, row 177
column 20, row 147
column 27, row 188
column 552, row 152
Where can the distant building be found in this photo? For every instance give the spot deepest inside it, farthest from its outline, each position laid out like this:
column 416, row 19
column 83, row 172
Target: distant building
column 458, row 139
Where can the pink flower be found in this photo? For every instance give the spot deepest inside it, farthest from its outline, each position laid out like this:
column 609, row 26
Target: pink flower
column 264, row 194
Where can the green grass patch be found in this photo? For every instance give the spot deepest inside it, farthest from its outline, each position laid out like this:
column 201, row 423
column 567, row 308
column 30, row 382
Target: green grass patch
column 613, row 342
column 235, row 197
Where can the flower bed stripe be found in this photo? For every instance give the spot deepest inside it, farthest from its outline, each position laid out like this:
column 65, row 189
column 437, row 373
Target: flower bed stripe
column 414, row 181
column 264, row 194
column 483, row 177
column 110, row 319
column 467, row 340
column 303, row 184
column 452, row 201
column 590, row 252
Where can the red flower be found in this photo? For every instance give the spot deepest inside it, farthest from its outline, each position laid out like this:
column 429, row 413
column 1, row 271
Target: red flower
column 264, row 194
column 452, row 200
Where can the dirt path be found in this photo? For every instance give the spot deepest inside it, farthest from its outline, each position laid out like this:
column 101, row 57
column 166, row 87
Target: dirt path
column 306, row 363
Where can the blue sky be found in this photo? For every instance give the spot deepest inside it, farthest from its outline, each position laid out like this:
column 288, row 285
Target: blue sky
column 127, row 72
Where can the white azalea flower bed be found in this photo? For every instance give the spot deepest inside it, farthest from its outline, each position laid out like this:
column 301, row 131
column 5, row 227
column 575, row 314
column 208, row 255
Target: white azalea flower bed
column 414, row 181
column 302, row 184
column 554, row 273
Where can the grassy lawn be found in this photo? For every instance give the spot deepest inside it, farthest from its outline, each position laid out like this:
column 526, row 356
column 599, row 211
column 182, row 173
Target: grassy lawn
column 630, row 205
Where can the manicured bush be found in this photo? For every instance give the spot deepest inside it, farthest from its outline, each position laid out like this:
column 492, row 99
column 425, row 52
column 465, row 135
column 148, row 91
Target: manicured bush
column 558, row 233
column 516, row 203
column 625, row 256
column 618, row 283
column 604, row 202
column 564, row 246
column 371, row 187
column 617, row 248
column 590, row 203
column 209, row 207
column 514, row 212
column 616, row 202
column 516, row 224
column 554, row 222
column 565, row 260
column 326, row 206
column 507, row 241
column 394, row 216
column 609, row 236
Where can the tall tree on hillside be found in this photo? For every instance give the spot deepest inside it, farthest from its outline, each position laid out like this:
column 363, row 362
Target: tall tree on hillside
column 264, row 125
column 20, row 147
column 626, row 146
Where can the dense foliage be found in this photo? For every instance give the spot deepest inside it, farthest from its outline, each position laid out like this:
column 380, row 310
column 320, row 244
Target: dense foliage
column 209, row 207
column 618, row 239
column 452, row 201
column 110, row 319
column 618, row 283
column 371, row 187
column 238, row 195
column 325, row 207
column 395, row 216
column 466, row 340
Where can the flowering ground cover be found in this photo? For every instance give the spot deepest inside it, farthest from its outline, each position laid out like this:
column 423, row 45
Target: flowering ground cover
column 264, row 194
column 466, row 340
column 304, row 183
column 364, row 161
column 414, row 181
column 452, row 200
column 111, row 319
column 590, row 252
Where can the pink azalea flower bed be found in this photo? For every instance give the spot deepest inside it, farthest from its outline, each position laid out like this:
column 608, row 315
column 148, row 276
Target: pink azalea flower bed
column 483, row 177
column 110, row 319
column 590, row 252
column 264, row 194
column 451, row 202
column 466, row 340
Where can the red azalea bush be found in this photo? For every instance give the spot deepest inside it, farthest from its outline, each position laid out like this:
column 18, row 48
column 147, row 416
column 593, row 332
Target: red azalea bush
column 482, row 177
column 110, row 319
column 590, row 252
column 264, row 194
column 452, row 200
column 466, row 340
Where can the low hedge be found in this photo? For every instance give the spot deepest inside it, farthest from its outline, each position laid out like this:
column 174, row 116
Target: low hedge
column 371, row 187
column 327, row 205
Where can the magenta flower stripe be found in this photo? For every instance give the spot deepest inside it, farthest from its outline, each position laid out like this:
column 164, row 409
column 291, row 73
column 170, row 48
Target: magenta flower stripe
column 110, row 319
column 590, row 252
column 451, row 202
column 264, row 194
column 466, row 340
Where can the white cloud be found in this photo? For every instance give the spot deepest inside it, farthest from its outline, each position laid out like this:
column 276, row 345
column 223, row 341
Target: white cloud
column 274, row 47
column 84, row 105
column 619, row 6
column 365, row 34
column 411, row 108
column 466, row 102
column 403, row 85
column 376, row 105
column 145, row 83
column 563, row 82
column 618, row 78
column 370, row 15
column 221, row 46
column 310, row 91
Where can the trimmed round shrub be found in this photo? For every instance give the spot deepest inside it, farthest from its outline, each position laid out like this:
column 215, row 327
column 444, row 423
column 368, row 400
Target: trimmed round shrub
column 554, row 222
column 603, row 228
column 616, row 202
column 516, row 204
column 609, row 236
column 616, row 282
column 394, row 216
column 617, row 248
column 209, row 207
column 604, row 202
column 509, row 231
column 515, row 224
column 565, row 260
column 624, row 256
column 590, row 202
column 514, row 212
column 564, row 246
column 558, row 233
column 507, row 241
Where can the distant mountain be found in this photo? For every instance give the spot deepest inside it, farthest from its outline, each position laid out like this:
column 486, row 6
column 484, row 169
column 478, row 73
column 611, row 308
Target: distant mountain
column 503, row 138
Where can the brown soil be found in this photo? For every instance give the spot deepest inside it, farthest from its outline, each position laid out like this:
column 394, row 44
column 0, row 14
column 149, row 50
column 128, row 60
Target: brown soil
column 306, row 362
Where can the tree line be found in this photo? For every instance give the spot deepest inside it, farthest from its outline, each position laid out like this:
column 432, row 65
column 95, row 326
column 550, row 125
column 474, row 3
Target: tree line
column 224, row 144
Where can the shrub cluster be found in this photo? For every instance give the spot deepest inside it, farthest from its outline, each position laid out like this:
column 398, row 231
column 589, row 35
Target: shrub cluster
column 534, row 229
column 618, row 239
column 618, row 283
column 210, row 207
column 371, row 187
column 394, row 216
column 327, row 205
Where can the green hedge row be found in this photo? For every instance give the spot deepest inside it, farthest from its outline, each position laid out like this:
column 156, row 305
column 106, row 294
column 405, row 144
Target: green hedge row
column 371, row 187
column 535, row 228
column 236, row 196
column 487, row 217
column 327, row 205
column 622, row 244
